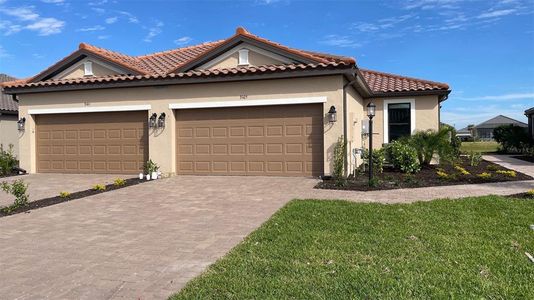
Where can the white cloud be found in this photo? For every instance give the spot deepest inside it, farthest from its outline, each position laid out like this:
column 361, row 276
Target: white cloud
column 47, row 26
column 53, row 1
column 153, row 32
column 92, row 28
column 505, row 97
column 103, row 37
column 267, row 2
column 131, row 18
column 496, row 13
column 33, row 21
column 340, row 41
column 38, row 56
column 183, row 41
column 98, row 2
column 21, row 13
column 98, row 10
column 111, row 20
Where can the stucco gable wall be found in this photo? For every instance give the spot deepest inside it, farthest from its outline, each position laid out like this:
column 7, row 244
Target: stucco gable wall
column 78, row 71
column 9, row 134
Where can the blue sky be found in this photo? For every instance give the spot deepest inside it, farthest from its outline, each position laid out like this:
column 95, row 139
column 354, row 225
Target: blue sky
column 483, row 49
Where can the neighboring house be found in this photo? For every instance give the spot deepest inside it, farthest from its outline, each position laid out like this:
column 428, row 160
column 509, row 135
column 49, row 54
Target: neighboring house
column 530, row 116
column 9, row 112
column 484, row 130
column 239, row 106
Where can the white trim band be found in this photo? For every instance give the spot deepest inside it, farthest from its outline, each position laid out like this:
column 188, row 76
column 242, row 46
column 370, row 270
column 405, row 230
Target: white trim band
column 386, row 121
column 240, row 103
column 88, row 109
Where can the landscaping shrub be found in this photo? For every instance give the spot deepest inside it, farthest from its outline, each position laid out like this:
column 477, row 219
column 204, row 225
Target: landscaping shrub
column 18, row 189
column 430, row 142
column 339, row 162
column 7, row 160
column 379, row 158
column 455, row 141
column 64, row 194
column 442, row 174
column 99, row 187
column 150, row 167
column 462, row 170
column 475, row 158
column 509, row 173
column 530, row 192
column 119, row 182
column 512, row 139
column 403, row 157
column 484, row 175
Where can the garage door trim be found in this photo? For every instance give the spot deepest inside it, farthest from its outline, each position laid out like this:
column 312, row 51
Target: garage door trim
column 88, row 109
column 243, row 103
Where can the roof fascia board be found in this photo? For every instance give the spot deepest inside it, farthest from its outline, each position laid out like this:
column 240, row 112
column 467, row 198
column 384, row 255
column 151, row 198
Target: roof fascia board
column 174, row 81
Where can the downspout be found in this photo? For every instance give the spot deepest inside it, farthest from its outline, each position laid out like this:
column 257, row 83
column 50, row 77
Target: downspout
column 445, row 97
column 345, row 121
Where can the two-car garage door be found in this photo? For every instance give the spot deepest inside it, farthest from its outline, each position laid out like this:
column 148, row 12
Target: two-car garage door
column 285, row 140
column 110, row 142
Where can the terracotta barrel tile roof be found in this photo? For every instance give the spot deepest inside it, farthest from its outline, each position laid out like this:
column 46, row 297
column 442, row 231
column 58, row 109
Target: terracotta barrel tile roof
column 168, row 64
column 265, row 69
column 381, row 82
column 7, row 104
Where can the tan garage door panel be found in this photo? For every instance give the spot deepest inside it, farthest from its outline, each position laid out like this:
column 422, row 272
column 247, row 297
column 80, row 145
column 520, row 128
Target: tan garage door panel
column 268, row 140
column 114, row 142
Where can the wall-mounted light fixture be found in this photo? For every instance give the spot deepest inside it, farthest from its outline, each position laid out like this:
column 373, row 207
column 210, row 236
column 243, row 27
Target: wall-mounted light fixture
column 21, row 123
column 161, row 120
column 152, row 120
column 332, row 114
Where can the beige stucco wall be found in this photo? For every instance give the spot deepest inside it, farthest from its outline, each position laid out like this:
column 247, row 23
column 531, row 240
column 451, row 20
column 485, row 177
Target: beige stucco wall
column 9, row 134
column 355, row 116
column 162, row 142
column 426, row 116
column 254, row 59
column 78, row 72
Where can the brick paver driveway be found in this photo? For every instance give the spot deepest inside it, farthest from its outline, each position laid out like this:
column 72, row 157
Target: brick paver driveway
column 144, row 241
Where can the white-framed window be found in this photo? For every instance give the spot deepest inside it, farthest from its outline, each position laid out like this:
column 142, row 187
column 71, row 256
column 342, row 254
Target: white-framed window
column 399, row 118
column 88, row 68
column 243, row 57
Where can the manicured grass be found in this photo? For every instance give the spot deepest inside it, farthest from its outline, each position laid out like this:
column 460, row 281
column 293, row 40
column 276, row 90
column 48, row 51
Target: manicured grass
column 310, row 249
column 479, row 147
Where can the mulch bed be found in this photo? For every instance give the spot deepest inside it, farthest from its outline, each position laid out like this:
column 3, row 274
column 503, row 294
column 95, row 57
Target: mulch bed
column 527, row 196
column 394, row 179
column 73, row 196
column 525, row 158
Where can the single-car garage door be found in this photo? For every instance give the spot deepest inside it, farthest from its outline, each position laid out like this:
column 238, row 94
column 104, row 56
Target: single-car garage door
column 285, row 140
column 111, row 142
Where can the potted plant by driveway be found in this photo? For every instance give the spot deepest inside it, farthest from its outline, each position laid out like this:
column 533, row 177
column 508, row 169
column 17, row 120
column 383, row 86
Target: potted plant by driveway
column 151, row 170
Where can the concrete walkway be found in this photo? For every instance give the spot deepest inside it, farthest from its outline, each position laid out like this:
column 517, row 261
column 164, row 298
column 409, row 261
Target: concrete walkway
column 509, row 162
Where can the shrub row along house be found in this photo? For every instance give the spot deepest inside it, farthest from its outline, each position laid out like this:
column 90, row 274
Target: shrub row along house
column 239, row 106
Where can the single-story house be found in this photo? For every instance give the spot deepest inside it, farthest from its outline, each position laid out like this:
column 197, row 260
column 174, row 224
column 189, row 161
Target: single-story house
column 9, row 112
column 484, row 130
column 530, row 116
column 243, row 105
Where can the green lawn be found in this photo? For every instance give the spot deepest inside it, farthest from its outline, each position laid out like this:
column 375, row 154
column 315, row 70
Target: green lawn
column 310, row 249
column 479, row 147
